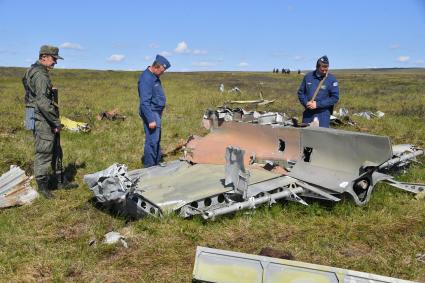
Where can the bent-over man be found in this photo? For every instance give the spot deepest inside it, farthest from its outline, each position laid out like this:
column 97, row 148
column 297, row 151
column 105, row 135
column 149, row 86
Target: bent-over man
column 152, row 103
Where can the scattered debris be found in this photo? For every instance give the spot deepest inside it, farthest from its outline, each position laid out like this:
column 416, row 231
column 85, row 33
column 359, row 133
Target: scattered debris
column 214, row 265
column 235, row 89
column 221, row 88
column 111, row 115
column 214, row 118
column 15, row 188
column 115, row 237
column 369, row 114
column 260, row 101
column 73, row 126
column 342, row 117
column 315, row 162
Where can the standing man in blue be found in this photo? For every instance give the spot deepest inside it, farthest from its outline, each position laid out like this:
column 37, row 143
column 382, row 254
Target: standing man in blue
column 152, row 103
column 318, row 93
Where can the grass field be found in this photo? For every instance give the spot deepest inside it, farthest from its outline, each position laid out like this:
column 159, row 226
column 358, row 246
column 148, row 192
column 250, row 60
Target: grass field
column 48, row 240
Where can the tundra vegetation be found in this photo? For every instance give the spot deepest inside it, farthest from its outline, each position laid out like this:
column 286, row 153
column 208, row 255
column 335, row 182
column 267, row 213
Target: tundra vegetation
column 49, row 239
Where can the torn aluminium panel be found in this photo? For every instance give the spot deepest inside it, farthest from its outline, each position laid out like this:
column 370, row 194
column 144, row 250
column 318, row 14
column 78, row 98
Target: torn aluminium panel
column 215, row 118
column 214, row 265
column 314, row 162
column 74, row 126
column 15, row 188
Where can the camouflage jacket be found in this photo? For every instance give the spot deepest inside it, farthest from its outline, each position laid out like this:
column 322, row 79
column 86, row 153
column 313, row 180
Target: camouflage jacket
column 40, row 96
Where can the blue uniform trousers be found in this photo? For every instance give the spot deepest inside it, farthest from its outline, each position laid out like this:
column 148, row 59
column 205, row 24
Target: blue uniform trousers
column 324, row 117
column 152, row 150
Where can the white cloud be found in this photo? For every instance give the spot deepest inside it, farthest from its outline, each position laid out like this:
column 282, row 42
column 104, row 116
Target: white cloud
column 420, row 62
column 165, row 53
column 199, row 52
column 70, row 45
column 147, row 58
column 203, row 64
column 243, row 64
column 153, row 45
column 395, row 46
column 116, row 58
column 403, row 58
column 182, row 48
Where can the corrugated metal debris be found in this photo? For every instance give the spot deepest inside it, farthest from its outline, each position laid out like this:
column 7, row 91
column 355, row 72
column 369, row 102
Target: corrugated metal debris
column 15, row 188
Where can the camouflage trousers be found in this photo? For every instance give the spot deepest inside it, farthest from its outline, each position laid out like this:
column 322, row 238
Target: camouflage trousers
column 45, row 160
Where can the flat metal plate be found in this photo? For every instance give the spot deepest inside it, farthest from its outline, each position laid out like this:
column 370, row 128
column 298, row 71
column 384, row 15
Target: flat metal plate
column 262, row 140
column 188, row 184
column 213, row 265
column 338, row 156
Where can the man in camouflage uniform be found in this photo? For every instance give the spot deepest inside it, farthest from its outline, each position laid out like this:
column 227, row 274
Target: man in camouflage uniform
column 46, row 126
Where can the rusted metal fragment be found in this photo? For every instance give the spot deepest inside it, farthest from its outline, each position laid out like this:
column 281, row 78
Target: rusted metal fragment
column 15, row 188
column 259, row 142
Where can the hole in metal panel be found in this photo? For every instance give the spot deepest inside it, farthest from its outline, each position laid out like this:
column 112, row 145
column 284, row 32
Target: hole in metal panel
column 281, row 145
column 207, row 202
column 307, row 154
column 143, row 204
column 220, row 198
column 194, row 204
column 152, row 210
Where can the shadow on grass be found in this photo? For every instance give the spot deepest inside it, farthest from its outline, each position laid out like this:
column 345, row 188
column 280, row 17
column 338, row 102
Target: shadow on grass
column 70, row 171
column 113, row 209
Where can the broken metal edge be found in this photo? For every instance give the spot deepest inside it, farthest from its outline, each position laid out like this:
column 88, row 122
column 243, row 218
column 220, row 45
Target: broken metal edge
column 15, row 188
column 214, row 265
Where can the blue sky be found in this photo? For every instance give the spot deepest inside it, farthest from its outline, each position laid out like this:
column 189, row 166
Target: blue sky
column 216, row 35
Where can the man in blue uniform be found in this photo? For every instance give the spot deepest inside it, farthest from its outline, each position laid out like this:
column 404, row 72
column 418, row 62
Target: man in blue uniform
column 152, row 103
column 318, row 93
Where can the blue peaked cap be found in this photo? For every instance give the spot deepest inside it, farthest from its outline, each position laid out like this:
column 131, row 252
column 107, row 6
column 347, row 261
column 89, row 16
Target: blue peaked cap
column 163, row 61
column 323, row 60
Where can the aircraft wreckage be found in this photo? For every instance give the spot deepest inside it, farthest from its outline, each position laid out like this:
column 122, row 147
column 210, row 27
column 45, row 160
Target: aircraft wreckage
column 252, row 158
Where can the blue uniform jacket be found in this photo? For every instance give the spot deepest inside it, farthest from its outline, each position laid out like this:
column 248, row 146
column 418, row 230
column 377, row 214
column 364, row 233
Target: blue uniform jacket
column 327, row 96
column 152, row 98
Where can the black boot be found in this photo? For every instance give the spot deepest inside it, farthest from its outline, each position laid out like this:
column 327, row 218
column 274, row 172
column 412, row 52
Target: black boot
column 43, row 188
column 65, row 184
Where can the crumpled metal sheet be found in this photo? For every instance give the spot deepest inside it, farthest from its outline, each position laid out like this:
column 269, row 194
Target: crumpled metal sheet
column 258, row 141
column 111, row 184
column 15, row 188
column 214, row 265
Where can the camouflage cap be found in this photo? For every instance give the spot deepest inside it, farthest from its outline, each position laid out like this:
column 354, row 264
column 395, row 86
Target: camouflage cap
column 50, row 50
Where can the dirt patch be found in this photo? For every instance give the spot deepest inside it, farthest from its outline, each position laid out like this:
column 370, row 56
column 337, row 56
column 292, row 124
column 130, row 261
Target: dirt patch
column 355, row 250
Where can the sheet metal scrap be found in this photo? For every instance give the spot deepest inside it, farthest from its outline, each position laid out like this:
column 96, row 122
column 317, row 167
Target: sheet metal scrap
column 74, row 126
column 15, row 188
column 111, row 115
column 319, row 163
column 214, row 265
column 214, row 118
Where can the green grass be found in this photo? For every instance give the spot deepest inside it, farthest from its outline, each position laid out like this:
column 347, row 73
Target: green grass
column 48, row 240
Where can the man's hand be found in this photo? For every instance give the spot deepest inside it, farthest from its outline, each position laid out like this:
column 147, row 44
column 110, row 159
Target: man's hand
column 152, row 125
column 311, row 105
column 56, row 130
